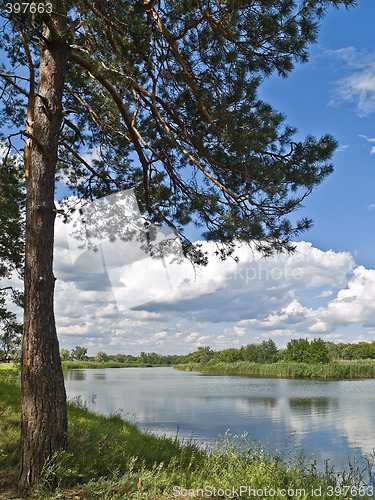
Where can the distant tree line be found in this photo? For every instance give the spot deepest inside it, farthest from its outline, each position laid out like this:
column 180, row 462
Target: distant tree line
column 298, row 350
column 145, row 359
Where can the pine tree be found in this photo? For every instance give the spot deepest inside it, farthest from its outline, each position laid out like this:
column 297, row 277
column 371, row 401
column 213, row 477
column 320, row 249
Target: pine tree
column 166, row 94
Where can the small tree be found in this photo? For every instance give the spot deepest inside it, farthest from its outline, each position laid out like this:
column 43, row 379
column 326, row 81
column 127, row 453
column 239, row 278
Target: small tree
column 317, row 352
column 79, row 353
column 333, row 351
column 10, row 339
column 65, row 355
column 229, row 355
column 252, row 353
column 267, row 351
column 297, row 350
column 364, row 351
column 101, row 357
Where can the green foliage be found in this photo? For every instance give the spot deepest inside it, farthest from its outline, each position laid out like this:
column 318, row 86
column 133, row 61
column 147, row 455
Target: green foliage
column 12, row 199
column 229, row 355
column 303, row 351
column 267, row 352
column 289, row 369
column 10, row 339
column 64, row 355
column 177, row 88
column 153, row 359
column 12, row 204
column 203, row 355
column 362, row 350
column 102, row 357
column 79, row 353
column 318, row 352
column 297, row 350
column 251, row 353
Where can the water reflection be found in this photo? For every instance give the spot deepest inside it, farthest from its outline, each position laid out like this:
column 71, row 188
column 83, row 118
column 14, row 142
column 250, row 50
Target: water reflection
column 305, row 405
column 337, row 426
column 75, row 375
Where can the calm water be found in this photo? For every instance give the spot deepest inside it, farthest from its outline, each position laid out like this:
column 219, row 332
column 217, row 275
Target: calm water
column 329, row 420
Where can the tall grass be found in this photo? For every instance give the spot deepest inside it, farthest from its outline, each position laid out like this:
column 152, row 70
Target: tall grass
column 288, row 369
column 108, row 458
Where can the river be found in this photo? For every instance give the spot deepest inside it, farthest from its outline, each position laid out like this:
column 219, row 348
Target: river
column 329, row 420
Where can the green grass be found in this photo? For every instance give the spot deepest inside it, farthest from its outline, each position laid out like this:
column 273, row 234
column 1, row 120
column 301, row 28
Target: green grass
column 108, row 458
column 287, row 369
column 7, row 366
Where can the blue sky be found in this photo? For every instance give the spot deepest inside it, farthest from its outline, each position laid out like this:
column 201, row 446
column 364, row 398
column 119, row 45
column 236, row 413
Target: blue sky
column 326, row 289
column 335, row 93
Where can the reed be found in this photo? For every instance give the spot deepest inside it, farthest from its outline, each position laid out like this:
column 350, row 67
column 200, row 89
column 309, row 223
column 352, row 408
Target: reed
column 288, row 369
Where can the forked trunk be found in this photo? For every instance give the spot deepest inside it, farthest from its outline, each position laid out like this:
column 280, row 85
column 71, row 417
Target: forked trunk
column 44, row 418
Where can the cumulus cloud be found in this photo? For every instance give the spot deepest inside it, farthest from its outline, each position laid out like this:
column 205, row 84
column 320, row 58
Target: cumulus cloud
column 309, row 293
column 354, row 304
column 357, row 85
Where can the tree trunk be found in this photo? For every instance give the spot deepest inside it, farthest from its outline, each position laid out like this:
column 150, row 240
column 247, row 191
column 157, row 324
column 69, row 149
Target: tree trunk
column 44, row 417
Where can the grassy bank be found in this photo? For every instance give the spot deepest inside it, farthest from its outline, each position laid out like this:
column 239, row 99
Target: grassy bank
column 287, row 369
column 108, row 458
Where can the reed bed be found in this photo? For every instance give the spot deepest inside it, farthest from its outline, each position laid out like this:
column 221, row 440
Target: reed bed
column 287, row 369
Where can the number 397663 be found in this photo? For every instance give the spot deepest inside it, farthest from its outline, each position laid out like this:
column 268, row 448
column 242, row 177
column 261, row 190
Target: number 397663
column 28, row 7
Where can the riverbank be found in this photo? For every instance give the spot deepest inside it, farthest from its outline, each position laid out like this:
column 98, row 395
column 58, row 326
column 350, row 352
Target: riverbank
column 337, row 370
column 109, row 458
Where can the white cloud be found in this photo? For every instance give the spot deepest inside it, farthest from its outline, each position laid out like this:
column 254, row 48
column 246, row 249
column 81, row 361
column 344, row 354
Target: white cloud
column 372, row 151
column 222, row 305
column 344, row 147
column 357, row 85
column 326, row 293
column 354, row 304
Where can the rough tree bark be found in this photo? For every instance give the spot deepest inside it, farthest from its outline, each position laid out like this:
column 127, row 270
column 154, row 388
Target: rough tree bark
column 44, row 418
